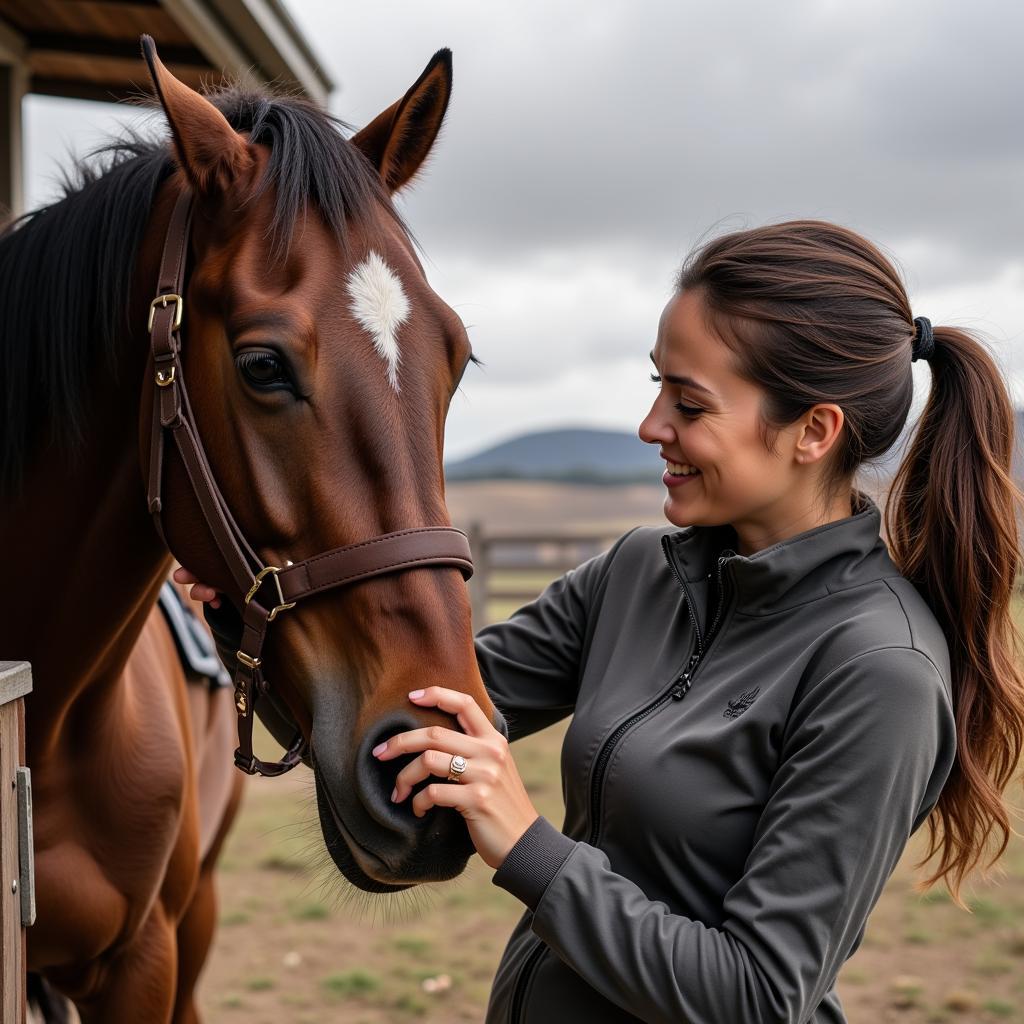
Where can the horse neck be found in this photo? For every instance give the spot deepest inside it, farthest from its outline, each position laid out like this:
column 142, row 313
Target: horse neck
column 82, row 557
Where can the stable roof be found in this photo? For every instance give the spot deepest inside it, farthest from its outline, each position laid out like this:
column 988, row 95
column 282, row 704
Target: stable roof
column 89, row 49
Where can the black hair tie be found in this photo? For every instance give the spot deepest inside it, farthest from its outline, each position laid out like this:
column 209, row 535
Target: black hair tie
column 924, row 340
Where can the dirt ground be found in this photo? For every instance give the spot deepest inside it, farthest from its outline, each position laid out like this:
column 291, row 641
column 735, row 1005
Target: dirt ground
column 296, row 944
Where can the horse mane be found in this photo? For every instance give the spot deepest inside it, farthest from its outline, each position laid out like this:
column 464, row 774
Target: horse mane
column 66, row 268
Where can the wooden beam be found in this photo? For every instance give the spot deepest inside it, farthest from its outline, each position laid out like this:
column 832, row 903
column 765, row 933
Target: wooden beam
column 270, row 34
column 99, row 92
column 47, row 43
column 217, row 41
column 13, row 86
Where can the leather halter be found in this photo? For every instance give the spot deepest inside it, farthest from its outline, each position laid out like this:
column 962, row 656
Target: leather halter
column 254, row 580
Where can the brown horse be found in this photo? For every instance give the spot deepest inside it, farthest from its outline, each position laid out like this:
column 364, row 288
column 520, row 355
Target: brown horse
column 320, row 366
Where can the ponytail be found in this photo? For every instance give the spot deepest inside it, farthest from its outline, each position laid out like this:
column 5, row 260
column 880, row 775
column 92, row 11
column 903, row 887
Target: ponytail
column 952, row 527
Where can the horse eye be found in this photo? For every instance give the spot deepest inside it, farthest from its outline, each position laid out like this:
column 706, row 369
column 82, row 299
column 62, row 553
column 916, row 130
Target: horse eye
column 263, row 369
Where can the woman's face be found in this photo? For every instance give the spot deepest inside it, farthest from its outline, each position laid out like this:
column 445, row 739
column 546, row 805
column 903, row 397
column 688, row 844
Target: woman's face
column 707, row 417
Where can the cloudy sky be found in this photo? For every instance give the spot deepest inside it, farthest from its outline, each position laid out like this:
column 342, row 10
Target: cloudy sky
column 591, row 143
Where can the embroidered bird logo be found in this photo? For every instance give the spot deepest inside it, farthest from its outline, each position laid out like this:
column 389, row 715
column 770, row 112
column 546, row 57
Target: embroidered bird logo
column 741, row 703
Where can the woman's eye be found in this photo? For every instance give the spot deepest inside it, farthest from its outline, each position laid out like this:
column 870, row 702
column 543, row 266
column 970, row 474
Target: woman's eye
column 263, row 370
column 688, row 410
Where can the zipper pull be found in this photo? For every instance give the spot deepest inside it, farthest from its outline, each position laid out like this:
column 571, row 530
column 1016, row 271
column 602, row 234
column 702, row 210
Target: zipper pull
column 678, row 692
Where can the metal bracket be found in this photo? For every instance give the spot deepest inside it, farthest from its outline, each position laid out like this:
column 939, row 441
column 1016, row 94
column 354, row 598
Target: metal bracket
column 26, row 860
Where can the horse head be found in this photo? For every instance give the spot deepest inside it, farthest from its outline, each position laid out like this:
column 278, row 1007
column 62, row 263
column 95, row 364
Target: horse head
column 320, row 366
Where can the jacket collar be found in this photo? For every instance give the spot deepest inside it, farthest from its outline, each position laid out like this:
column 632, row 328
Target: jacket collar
column 808, row 565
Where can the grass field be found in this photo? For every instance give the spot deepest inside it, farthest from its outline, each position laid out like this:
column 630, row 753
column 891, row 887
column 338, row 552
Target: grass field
column 294, row 945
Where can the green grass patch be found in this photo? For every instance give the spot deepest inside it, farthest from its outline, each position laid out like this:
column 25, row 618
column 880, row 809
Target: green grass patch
column 350, row 983
column 282, row 862
column 311, row 912
column 999, row 1007
column 413, row 1005
column 990, row 912
column 418, row 945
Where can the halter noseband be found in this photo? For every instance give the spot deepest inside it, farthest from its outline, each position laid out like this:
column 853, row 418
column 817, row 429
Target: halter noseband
column 390, row 552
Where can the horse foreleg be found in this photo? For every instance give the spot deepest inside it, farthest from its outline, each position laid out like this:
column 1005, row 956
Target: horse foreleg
column 138, row 983
column 195, row 933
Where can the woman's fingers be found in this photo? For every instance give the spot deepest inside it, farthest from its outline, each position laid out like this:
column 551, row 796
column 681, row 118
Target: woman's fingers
column 470, row 715
column 440, row 795
column 430, row 762
column 435, row 737
column 200, row 591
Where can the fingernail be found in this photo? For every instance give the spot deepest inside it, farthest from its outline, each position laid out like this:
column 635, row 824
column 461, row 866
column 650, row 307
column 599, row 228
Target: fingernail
column 379, row 748
column 394, row 794
column 416, row 693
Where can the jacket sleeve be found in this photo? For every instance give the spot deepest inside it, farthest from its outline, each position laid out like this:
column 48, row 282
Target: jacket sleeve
column 865, row 754
column 530, row 662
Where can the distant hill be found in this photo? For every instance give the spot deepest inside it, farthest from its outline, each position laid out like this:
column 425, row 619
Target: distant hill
column 584, row 455
column 581, row 454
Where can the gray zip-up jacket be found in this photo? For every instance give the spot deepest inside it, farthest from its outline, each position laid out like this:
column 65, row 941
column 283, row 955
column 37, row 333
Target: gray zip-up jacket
column 753, row 741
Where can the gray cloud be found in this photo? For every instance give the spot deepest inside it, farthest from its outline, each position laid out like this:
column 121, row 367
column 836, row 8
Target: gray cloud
column 589, row 145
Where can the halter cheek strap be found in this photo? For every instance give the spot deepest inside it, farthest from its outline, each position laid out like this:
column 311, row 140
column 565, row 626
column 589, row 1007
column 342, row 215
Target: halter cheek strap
column 264, row 591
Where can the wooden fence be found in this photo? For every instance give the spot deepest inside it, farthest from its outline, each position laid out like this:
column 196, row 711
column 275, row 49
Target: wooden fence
column 514, row 567
column 17, row 888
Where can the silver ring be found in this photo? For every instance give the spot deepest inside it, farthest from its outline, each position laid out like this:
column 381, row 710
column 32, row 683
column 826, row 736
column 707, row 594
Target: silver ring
column 456, row 768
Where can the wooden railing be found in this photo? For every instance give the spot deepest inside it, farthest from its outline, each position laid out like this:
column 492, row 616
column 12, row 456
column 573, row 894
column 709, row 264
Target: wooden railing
column 507, row 565
column 17, row 890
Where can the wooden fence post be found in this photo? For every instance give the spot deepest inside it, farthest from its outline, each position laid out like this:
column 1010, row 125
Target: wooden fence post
column 17, row 886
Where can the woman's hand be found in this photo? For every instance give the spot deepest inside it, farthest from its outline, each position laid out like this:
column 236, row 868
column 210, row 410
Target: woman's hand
column 200, row 592
column 490, row 794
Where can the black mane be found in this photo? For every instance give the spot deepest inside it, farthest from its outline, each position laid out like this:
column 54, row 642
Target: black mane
column 66, row 268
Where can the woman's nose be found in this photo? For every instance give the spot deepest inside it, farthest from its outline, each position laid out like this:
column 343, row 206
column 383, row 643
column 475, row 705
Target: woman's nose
column 653, row 428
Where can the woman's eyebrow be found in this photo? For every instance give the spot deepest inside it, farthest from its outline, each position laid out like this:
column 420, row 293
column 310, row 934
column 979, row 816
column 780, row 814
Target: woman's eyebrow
column 684, row 381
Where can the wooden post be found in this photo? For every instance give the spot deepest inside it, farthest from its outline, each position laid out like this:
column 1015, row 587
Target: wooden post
column 17, row 896
column 479, row 581
column 13, row 87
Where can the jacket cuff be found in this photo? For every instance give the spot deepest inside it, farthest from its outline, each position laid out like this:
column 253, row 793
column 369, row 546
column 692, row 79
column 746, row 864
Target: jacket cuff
column 533, row 861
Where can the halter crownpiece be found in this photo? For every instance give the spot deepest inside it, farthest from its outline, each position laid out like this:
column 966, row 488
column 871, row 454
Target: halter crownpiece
column 924, row 340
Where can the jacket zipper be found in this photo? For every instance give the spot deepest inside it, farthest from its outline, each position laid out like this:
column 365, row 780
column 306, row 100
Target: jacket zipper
column 680, row 685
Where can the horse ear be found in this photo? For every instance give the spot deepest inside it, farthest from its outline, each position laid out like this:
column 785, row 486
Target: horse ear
column 211, row 153
column 399, row 140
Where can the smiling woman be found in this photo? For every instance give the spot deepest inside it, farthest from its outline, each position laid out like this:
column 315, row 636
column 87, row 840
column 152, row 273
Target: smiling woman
column 767, row 699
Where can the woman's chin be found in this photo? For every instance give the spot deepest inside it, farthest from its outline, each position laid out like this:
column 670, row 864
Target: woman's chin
column 679, row 511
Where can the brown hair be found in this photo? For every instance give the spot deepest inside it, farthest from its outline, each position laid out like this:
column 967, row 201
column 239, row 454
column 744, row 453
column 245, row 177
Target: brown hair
column 814, row 313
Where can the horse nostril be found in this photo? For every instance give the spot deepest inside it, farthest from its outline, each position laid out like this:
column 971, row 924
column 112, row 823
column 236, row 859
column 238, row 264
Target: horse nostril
column 378, row 777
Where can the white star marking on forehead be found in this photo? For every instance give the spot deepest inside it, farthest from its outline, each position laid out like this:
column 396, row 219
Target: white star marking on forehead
column 380, row 304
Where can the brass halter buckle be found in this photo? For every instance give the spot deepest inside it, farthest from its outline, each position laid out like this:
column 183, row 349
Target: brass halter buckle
column 282, row 605
column 161, row 301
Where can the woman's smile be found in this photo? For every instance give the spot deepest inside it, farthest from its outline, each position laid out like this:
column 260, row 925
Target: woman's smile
column 679, row 473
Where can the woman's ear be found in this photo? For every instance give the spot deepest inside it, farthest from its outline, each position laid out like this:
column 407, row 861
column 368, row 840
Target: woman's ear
column 211, row 153
column 820, row 427
column 399, row 140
